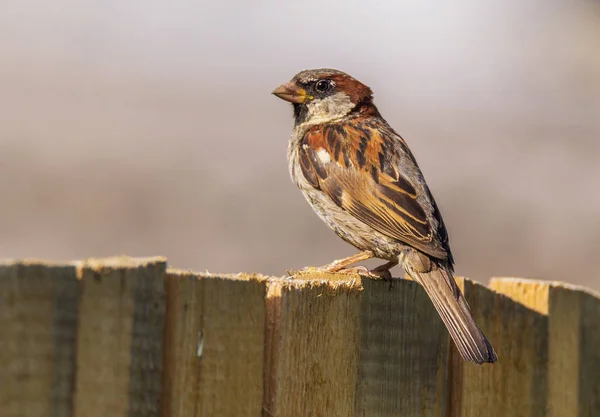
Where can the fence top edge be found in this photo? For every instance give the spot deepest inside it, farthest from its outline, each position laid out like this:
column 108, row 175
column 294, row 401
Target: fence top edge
column 308, row 280
column 111, row 261
column 540, row 282
column 120, row 261
column 36, row 263
column 336, row 283
column 327, row 276
column 240, row 276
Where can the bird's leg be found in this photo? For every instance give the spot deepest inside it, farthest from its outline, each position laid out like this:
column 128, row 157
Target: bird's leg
column 342, row 264
column 383, row 271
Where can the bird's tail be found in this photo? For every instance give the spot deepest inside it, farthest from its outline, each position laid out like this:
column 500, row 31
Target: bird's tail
column 455, row 313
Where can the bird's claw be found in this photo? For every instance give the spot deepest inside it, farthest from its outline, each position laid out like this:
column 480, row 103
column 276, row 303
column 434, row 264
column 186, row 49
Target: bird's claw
column 360, row 270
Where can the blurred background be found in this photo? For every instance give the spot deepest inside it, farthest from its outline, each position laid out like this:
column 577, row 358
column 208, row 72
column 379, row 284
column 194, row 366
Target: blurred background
column 148, row 128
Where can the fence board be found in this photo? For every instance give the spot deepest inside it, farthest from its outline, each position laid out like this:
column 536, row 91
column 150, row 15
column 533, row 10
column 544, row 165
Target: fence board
column 403, row 355
column 214, row 345
column 517, row 384
column 38, row 322
column 574, row 340
column 314, row 342
column 119, row 346
column 123, row 337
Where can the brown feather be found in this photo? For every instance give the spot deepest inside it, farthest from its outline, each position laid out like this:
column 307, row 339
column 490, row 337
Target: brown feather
column 454, row 310
column 375, row 192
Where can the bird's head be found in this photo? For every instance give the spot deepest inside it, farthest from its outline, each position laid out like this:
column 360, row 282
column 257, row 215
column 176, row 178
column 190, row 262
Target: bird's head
column 324, row 95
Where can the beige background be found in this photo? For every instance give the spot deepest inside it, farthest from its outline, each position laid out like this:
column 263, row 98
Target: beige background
column 147, row 127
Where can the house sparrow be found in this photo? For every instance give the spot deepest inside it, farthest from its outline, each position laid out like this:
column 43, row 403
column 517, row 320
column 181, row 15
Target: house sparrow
column 360, row 177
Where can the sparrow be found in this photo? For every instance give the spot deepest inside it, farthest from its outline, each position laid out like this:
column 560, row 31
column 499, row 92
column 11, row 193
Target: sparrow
column 363, row 181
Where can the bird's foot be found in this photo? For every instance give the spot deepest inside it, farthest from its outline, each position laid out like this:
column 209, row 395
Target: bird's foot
column 385, row 275
column 359, row 270
column 383, row 271
column 307, row 269
column 377, row 273
column 343, row 266
column 340, row 265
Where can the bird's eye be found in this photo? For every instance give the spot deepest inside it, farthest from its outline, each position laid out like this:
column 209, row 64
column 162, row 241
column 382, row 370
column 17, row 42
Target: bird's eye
column 323, row 86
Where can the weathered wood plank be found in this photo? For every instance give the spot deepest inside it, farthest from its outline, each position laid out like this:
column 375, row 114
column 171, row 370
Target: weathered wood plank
column 214, row 345
column 404, row 351
column 119, row 346
column 38, row 325
column 313, row 347
column 574, row 341
column 128, row 338
column 517, row 384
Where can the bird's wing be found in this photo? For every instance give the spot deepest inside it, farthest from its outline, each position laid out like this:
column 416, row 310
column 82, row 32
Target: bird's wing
column 358, row 166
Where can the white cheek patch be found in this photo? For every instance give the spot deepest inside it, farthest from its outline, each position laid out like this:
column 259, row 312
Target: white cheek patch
column 328, row 109
column 324, row 156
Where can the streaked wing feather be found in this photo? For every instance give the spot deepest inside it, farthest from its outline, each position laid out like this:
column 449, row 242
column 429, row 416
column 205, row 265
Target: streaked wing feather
column 361, row 176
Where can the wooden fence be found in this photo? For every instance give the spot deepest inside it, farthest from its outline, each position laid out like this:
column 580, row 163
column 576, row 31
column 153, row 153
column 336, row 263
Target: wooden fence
column 127, row 337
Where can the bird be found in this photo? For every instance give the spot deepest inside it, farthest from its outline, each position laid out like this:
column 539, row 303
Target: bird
column 363, row 181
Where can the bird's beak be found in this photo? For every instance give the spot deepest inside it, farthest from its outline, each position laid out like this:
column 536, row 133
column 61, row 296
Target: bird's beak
column 291, row 92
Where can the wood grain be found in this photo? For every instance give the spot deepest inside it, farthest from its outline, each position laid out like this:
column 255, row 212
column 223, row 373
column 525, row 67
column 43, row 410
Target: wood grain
column 119, row 346
column 124, row 337
column 38, row 324
column 403, row 354
column 573, row 337
column 314, row 345
column 517, row 384
column 214, row 345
